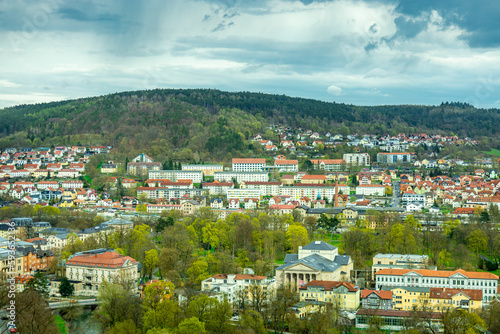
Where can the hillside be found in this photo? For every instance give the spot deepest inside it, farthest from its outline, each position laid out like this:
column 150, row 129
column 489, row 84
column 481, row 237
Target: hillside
column 203, row 124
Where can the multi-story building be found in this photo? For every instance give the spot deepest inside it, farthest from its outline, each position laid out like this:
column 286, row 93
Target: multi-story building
column 11, row 266
column 108, row 168
column 394, row 320
column 287, row 165
column 217, row 188
column 393, row 158
column 97, row 266
column 458, row 279
column 206, row 169
column 234, row 286
column 248, row 165
column 344, row 294
column 241, row 176
column 175, row 175
column 266, row 188
column 399, row 261
column 143, row 168
column 370, row 190
column 376, row 299
column 315, row 261
column 313, row 191
column 359, row 159
column 333, row 165
column 241, row 194
column 167, row 193
column 72, row 184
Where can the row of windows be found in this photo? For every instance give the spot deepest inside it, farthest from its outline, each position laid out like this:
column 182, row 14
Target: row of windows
column 435, row 281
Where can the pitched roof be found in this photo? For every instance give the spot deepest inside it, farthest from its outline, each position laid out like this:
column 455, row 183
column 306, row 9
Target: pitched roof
column 329, row 285
column 446, row 293
column 437, row 273
column 381, row 293
column 248, row 161
column 106, row 259
column 319, row 245
column 240, row 276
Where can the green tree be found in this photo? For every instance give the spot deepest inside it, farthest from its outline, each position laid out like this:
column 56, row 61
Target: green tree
column 150, row 261
column 66, row 289
column 39, row 283
column 191, row 326
column 296, row 236
column 477, row 242
column 125, row 327
column 329, row 224
column 198, row 272
column 463, row 322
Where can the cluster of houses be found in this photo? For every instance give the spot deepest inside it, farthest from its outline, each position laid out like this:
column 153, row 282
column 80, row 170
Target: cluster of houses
column 295, row 139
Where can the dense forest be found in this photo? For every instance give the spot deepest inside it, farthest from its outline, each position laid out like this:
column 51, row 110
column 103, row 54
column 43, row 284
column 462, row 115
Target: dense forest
column 211, row 124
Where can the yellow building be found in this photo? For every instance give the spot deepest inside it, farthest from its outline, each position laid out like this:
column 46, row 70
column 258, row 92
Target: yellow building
column 436, row 299
column 108, row 168
column 66, row 204
column 345, row 294
column 38, row 173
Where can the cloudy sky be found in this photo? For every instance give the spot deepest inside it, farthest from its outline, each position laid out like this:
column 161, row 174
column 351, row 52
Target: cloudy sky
column 356, row 52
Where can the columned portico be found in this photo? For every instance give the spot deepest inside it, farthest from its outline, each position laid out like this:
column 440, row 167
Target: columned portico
column 296, row 279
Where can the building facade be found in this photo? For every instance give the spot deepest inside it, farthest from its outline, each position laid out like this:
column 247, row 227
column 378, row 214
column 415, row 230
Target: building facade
column 248, row 165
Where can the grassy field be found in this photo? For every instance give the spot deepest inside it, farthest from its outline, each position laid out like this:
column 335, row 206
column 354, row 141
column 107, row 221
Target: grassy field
column 493, row 151
column 61, row 325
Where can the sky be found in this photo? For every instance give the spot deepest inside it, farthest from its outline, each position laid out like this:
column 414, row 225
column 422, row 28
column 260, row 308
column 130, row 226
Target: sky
column 354, row 52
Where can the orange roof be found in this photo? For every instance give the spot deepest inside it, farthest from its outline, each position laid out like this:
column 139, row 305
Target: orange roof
column 248, row 161
column 108, row 259
column 329, row 161
column 381, row 293
column 437, row 273
column 447, row 293
column 286, row 162
column 313, row 177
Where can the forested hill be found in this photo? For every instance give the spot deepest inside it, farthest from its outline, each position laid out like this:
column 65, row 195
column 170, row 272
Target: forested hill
column 215, row 122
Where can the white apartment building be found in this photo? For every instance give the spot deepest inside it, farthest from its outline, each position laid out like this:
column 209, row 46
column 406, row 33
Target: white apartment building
column 241, row 194
column 287, row 165
column 229, row 286
column 458, row 279
column 370, row 190
column 44, row 185
column 72, row 173
column 72, row 184
column 319, row 191
column 97, row 266
column 217, row 188
column 360, row 159
column 167, row 193
column 174, row 175
column 206, row 169
column 266, row 188
column 241, row 176
column 248, row 165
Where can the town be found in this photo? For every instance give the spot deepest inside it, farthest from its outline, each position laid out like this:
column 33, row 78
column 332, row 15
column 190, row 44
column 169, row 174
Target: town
column 298, row 224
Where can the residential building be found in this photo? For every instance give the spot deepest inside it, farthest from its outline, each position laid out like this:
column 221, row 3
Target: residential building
column 231, row 286
column 142, row 158
column 376, row 299
column 344, row 294
column 241, row 176
column 332, row 165
column 313, row 179
column 370, row 190
column 206, row 169
column 241, row 194
column 108, row 168
column 458, row 279
column 190, row 207
column 287, row 165
column 394, row 320
column 357, row 159
column 217, row 188
column 143, row 168
column 313, row 191
column 95, row 267
column 175, row 175
column 394, row 158
column 266, row 188
column 315, row 261
column 248, row 165
column 167, row 193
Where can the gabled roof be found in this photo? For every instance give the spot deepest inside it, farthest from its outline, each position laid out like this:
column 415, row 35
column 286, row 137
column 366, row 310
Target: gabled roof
column 382, row 294
column 329, row 285
column 437, row 273
column 315, row 261
column 446, row 293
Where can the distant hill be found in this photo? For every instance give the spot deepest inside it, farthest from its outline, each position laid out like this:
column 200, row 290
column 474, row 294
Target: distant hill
column 213, row 123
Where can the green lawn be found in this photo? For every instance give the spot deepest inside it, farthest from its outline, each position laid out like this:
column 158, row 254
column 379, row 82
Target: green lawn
column 493, row 151
column 61, row 324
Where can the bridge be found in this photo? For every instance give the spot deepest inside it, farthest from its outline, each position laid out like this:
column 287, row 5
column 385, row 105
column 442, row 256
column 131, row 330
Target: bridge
column 73, row 303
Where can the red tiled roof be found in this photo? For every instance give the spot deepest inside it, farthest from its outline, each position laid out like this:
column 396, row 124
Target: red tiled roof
column 329, row 285
column 107, row 259
column 381, row 293
column 240, row 276
column 286, row 162
column 446, row 293
column 248, row 161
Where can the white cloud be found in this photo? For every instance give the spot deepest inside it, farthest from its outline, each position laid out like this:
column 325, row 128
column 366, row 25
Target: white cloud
column 334, row 90
column 7, row 83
